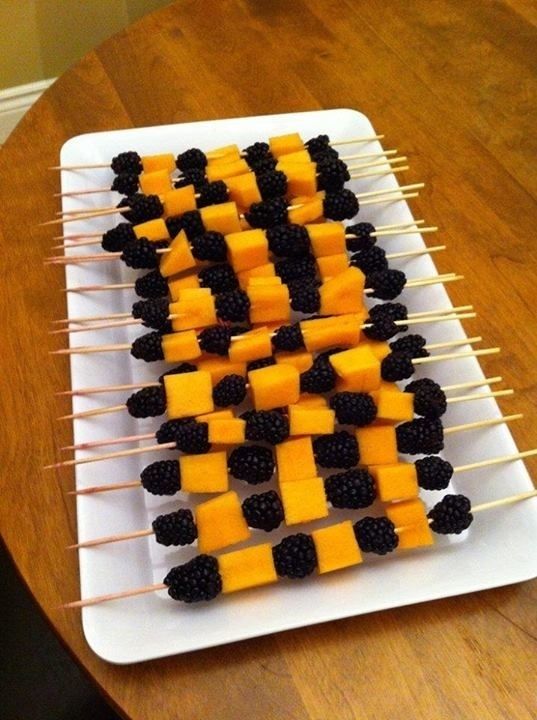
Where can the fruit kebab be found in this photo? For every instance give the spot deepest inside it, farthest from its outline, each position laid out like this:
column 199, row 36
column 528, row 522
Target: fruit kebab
column 338, row 546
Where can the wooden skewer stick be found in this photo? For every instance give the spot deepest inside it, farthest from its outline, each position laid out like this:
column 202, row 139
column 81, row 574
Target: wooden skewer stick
column 473, row 383
column 479, row 396
column 380, row 173
column 107, row 388
column 495, row 461
column 360, row 156
column 470, row 353
column 482, row 423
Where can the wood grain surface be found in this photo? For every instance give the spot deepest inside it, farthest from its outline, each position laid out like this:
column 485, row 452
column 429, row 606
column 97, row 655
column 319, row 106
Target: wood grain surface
column 451, row 84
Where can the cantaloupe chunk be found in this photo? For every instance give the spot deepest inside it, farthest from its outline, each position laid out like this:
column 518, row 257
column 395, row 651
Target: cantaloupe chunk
column 179, row 201
column 247, row 568
column 323, row 333
column 188, row 394
column 251, row 345
column 343, row 293
column 274, row 386
column 153, row 230
column 377, row 444
column 243, row 190
column 179, row 257
column 157, row 182
column 332, row 265
column 295, row 460
column 336, row 547
column 193, row 311
column 226, row 414
column 247, row 250
column 310, row 421
column 378, row 348
column 180, row 347
column 204, row 473
column 304, row 500
column 301, row 178
column 412, row 516
column 284, row 144
column 312, row 401
column 302, row 361
column 226, row 153
column 224, row 169
column 227, row 432
column 177, row 283
column 223, row 218
column 398, row 481
column 264, row 281
column 359, row 367
column 164, row 161
column 267, row 270
column 219, row 367
column 306, row 212
column 269, row 303
column 393, row 406
column 327, row 238
column 220, row 522
column 298, row 156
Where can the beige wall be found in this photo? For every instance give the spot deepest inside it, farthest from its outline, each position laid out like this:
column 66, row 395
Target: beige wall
column 41, row 38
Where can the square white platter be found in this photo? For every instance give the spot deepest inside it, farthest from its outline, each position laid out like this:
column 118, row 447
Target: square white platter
column 493, row 552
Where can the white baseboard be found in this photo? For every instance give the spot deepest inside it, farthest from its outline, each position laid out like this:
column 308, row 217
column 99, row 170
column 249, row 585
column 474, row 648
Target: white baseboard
column 15, row 101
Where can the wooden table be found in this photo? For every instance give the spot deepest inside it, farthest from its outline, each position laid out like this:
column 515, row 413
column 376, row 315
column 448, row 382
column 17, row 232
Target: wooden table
column 451, row 85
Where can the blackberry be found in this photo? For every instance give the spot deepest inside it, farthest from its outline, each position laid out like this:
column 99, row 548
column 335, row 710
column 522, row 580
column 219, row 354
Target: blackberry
column 333, row 174
column 381, row 329
column 433, row 472
column 295, row 556
column 194, row 176
column 209, row 246
column 328, row 153
column 412, row 345
column 263, row 511
column 394, row 311
column 215, row 340
column 267, row 214
column 340, row 205
column 376, row 535
column 266, row 164
column 125, row 183
column 370, row 261
column 305, row 296
column 289, row 240
column 420, row 436
column 320, row 378
column 337, row 450
column 353, row 408
column 230, row 390
column 288, row 338
column 232, row 306
column 194, row 581
column 386, row 284
column 127, row 162
column 183, row 367
column 175, row 528
column 193, row 438
column 192, row 158
column 362, row 239
column 140, row 254
column 429, row 398
column 296, row 268
column 143, row 208
column 114, row 240
column 167, row 432
column 268, row 425
column 161, row 477
column 152, row 313
column 396, row 366
column 174, row 225
column 256, row 152
column 318, row 144
column 213, row 194
column 272, row 184
column 252, row 463
column 151, row 285
column 260, row 363
column 451, row 515
column 147, row 402
column 352, row 489
column 219, row 278
column 192, row 224
column 148, row 347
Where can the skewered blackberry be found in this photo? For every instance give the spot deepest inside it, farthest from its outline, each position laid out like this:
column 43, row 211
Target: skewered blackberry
column 114, row 240
column 147, row 402
column 412, row 345
column 320, row 378
column 288, row 338
column 230, row 390
column 192, row 158
column 213, row 194
column 396, row 366
column 340, row 205
column 167, row 432
column 252, row 463
column 433, row 472
column 162, row 477
column 267, row 214
column 152, row 313
column 451, row 515
column 421, row 435
column 232, row 306
column 142, row 208
column 175, row 528
column 353, row 408
column 141, row 254
column 263, row 511
column 381, row 329
column 337, row 450
column 351, row 489
column 263, row 165
column 289, row 240
column 371, row 260
column 194, row 176
column 363, row 239
column 193, row 438
column 272, row 184
column 125, row 183
column 376, row 535
column 219, row 278
column 260, row 363
column 184, row 367
column 318, row 144
column 268, row 425
column 295, row 556
column 127, row 162
column 196, row 580
column 386, row 284
column 148, row 347
column 209, row 246
column 174, row 224
column 215, row 340
column 333, row 174
column 395, row 311
column 256, row 152
column 429, row 398
column 305, row 296
column 192, row 224
column 291, row 269
column 328, row 153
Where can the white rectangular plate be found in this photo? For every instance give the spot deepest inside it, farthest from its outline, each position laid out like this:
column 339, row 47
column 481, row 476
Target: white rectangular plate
column 493, row 552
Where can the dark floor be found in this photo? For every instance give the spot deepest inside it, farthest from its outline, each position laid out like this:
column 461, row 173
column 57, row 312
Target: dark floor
column 38, row 679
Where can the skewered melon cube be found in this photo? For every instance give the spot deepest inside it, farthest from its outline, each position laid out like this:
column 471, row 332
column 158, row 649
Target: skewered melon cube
column 225, row 169
column 344, row 293
column 326, row 238
column 247, row 568
column 188, row 394
column 258, row 281
column 223, row 218
column 247, row 249
column 274, row 386
column 359, row 367
column 307, row 212
column 285, row 144
column 301, row 178
column 304, row 500
column 295, row 460
column 157, row 182
column 395, row 482
column 251, row 345
column 312, row 401
column 269, row 303
column 322, row 333
column 310, row 421
column 204, row 473
column 219, row 367
column 216, row 415
column 227, row 432
column 393, row 406
column 378, row 348
column 267, row 270
column 178, row 258
column 179, row 201
column 302, row 361
column 193, row 311
column 183, row 282
column 332, row 265
column 377, row 445
column 153, row 230
column 336, row 547
column 243, row 189
column 220, row 522
column 164, row 161
column 226, row 153
column 180, row 347
column 299, row 156
column 411, row 515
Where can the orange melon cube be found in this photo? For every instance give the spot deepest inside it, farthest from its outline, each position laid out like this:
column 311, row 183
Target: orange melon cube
column 153, row 230
column 179, row 201
column 274, row 386
column 180, row 347
column 412, row 516
column 322, row 333
column 193, row 311
column 243, row 190
column 220, row 522
column 327, row 239
column 204, row 473
column 178, row 258
column 223, row 169
column 247, row 249
column 312, row 401
column 157, row 182
column 284, row 144
column 378, row 348
column 377, row 445
column 295, row 460
column 301, row 178
column 332, row 265
column 310, row 421
column 395, row 482
column 251, row 345
column 182, row 282
column 164, row 161
column 269, row 303
column 223, row 218
column 359, row 367
column 343, row 293
column 227, row 153
column 302, row 361
column 336, row 547
column 265, row 271
column 188, row 394
column 306, row 212
column 299, row 156
column 219, row 367
column 227, row 432
column 393, row 406
column 304, row 500
column 247, row 568
column 264, row 281
column 216, row 415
